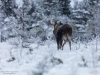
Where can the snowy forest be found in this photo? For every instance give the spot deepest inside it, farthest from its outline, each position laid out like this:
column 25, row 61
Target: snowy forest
column 28, row 45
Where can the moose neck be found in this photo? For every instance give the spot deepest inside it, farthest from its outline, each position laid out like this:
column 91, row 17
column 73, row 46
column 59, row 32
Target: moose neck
column 56, row 28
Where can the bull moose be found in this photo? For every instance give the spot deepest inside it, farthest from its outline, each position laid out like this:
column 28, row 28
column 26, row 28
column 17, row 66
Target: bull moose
column 62, row 32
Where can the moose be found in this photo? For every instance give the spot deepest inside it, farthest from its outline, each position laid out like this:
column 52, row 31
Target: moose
column 62, row 32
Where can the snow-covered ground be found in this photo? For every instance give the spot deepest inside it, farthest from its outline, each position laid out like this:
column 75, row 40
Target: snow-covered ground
column 45, row 59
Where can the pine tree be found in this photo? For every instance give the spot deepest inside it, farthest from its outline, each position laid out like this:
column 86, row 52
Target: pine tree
column 8, row 6
column 93, row 2
column 65, row 7
column 80, row 16
column 50, row 7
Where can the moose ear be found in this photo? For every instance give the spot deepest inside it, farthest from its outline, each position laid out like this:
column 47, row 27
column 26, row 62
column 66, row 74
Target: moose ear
column 60, row 23
column 55, row 21
column 54, row 25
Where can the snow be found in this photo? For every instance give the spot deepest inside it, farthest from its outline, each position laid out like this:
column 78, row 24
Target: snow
column 7, row 19
column 72, row 2
column 19, row 3
column 43, row 58
column 39, row 59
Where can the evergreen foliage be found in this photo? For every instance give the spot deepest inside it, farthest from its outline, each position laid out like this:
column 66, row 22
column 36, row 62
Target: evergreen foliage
column 65, row 7
column 8, row 6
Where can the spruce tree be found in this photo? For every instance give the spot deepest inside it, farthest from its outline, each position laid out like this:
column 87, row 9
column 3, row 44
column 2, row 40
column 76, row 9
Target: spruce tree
column 8, row 6
column 65, row 7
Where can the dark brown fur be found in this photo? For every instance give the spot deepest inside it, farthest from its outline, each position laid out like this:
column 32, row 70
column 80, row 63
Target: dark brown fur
column 62, row 34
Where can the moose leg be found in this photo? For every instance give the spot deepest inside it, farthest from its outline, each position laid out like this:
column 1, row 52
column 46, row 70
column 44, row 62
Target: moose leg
column 64, row 43
column 69, row 39
column 60, row 43
column 70, row 44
